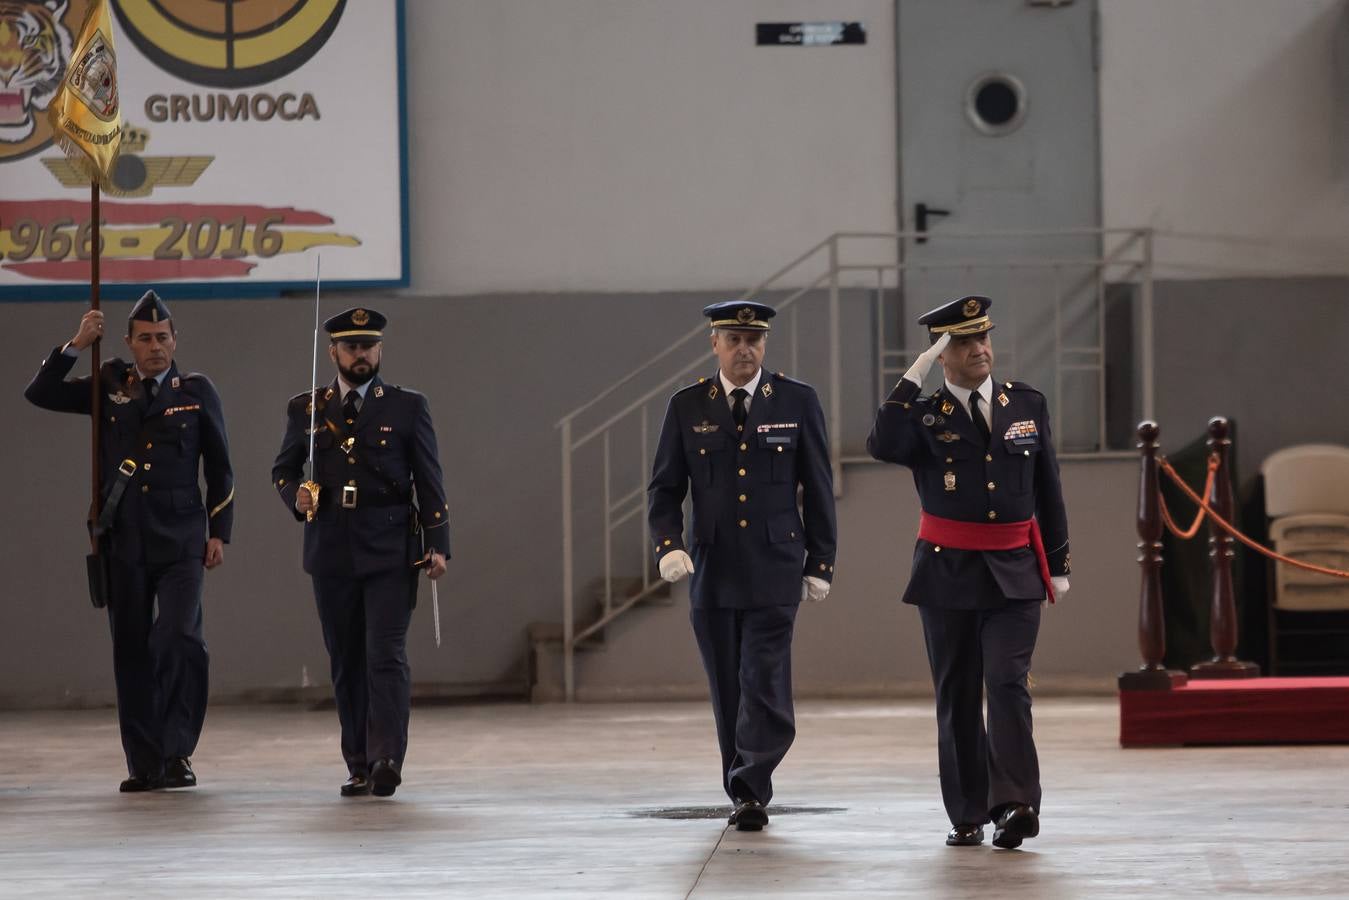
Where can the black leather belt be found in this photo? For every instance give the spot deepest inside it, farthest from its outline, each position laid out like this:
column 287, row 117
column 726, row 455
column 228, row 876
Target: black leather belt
column 349, row 496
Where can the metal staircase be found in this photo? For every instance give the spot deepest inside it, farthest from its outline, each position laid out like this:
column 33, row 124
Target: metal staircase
column 841, row 308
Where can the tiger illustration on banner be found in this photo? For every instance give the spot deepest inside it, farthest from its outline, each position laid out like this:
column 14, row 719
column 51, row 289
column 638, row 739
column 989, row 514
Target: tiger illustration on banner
column 36, row 40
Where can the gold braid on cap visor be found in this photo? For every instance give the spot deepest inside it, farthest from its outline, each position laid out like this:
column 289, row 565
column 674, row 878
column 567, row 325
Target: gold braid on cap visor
column 973, row 326
column 752, row 325
column 339, row 335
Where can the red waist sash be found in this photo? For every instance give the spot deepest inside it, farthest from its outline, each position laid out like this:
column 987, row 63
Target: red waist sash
column 988, row 536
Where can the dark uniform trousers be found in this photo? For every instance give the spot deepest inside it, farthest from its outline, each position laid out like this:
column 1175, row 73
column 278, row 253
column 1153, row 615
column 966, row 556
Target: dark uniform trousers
column 157, row 542
column 980, row 609
column 360, row 556
column 750, row 549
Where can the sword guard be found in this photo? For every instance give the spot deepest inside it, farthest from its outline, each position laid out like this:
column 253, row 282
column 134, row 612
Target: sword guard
column 313, row 488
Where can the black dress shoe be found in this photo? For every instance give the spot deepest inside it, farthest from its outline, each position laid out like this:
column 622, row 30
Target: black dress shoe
column 138, row 783
column 356, row 786
column 178, row 773
column 749, row 815
column 1016, row 823
column 385, row 777
column 965, row 836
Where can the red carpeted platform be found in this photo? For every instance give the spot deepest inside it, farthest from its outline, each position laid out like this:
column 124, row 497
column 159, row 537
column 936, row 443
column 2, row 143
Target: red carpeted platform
column 1244, row 711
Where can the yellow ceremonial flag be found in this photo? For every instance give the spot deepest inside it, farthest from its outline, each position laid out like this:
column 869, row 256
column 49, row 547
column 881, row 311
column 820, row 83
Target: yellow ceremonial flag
column 85, row 114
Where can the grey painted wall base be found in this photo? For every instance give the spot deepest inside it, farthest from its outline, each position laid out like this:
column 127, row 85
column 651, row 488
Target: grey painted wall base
column 499, row 371
column 862, row 642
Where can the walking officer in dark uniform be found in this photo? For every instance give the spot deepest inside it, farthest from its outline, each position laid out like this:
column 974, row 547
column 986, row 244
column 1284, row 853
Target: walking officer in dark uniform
column 992, row 545
column 364, row 539
column 744, row 439
column 159, row 428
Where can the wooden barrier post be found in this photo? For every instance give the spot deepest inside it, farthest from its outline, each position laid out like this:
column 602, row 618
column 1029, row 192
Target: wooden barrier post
column 1222, row 627
column 1153, row 675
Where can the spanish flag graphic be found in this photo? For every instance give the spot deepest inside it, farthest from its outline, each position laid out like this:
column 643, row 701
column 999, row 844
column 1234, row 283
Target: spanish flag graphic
column 85, row 114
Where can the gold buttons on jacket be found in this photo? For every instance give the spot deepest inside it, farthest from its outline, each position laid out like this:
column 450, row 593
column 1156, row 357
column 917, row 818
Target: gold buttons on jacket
column 146, row 467
column 145, row 489
column 743, row 498
column 744, row 523
column 824, row 566
column 666, row 542
column 149, row 444
column 949, row 460
column 991, row 485
column 992, row 514
column 351, row 460
column 702, row 451
column 744, row 446
column 988, row 457
column 742, row 471
column 779, row 449
column 936, row 549
column 437, row 515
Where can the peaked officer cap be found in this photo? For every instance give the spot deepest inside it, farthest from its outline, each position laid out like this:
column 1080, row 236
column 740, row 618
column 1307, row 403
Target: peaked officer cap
column 740, row 314
column 359, row 324
column 968, row 315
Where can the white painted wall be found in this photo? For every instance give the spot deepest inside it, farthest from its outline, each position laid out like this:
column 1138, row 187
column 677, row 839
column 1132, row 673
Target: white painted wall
column 1222, row 126
column 630, row 145
column 646, row 145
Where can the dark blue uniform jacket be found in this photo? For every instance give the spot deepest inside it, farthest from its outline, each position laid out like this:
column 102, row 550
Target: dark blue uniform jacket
column 161, row 518
column 388, row 450
column 1014, row 478
column 751, row 545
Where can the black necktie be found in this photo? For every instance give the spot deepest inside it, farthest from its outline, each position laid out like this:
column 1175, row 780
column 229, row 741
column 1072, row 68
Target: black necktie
column 738, row 409
column 151, row 387
column 977, row 415
column 349, row 406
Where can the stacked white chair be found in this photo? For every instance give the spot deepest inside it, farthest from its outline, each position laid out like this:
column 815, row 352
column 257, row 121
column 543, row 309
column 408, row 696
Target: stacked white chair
column 1307, row 502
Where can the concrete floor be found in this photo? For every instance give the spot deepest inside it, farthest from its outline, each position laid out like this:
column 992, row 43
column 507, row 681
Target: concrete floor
column 519, row 801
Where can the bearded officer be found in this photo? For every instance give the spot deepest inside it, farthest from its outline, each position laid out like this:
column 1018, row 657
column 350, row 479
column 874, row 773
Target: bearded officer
column 158, row 428
column 744, row 440
column 374, row 446
column 992, row 545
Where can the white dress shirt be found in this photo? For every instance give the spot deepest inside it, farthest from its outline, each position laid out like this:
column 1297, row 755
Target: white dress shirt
column 750, row 387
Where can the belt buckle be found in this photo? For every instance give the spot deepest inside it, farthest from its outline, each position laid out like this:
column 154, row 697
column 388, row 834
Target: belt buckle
column 348, row 496
column 128, row 467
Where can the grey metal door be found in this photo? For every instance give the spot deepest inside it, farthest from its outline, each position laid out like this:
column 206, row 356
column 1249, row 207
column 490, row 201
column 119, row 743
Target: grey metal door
column 998, row 132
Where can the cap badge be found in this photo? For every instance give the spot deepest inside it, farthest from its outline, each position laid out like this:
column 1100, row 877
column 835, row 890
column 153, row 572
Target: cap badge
column 744, row 315
column 361, row 318
column 971, row 308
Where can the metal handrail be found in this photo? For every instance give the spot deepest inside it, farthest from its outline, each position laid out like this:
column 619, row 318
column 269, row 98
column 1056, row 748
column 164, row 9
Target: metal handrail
column 1137, row 241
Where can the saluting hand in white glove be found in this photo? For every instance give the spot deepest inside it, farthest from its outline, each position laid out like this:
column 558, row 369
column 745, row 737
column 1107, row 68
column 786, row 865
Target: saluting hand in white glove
column 675, row 565
column 918, row 371
column 813, row 589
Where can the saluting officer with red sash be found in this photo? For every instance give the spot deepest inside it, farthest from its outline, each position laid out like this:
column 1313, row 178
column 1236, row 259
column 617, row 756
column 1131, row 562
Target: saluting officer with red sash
column 992, row 546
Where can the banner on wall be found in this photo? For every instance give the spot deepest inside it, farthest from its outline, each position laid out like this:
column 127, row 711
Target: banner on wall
column 255, row 135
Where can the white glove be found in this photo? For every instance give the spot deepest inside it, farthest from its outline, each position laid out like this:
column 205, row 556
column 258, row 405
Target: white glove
column 813, row 589
column 675, row 565
column 918, row 371
column 1060, row 583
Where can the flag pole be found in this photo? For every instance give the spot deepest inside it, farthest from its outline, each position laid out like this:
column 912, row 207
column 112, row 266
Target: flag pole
column 95, row 382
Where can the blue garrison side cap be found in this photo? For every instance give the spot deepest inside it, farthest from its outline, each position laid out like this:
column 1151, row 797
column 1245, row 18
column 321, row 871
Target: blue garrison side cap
column 149, row 308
